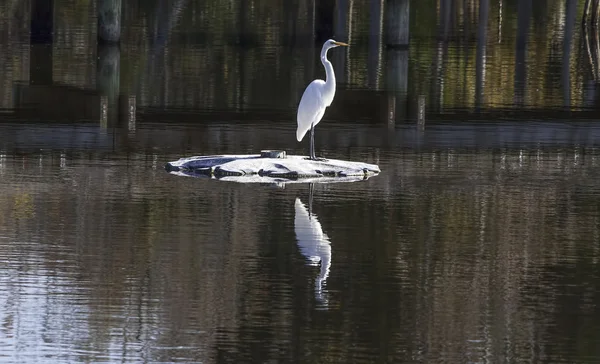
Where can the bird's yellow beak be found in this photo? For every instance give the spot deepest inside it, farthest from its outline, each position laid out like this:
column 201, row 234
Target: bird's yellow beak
column 341, row 44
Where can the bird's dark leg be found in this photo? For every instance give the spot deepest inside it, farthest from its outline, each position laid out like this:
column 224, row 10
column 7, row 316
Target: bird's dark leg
column 312, row 142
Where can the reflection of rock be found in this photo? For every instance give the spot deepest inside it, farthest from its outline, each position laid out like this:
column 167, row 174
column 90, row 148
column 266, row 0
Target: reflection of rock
column 313, row 244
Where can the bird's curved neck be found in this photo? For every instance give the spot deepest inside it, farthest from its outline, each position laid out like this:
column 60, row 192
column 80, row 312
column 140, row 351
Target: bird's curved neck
column 329, row 73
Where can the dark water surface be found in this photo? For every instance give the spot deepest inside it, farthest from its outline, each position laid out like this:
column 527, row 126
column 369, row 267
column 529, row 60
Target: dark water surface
column 478, row 243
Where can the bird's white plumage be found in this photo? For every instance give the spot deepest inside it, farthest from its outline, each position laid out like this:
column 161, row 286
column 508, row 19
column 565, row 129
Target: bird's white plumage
column 311, row 108
column 316, row 98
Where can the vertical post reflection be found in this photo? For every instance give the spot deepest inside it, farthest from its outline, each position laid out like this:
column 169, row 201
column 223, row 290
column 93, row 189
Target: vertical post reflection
column 523, row 20
column 397, row 22
column 109, row 20
column 570, row 12
column 397, row 41
column 591, row 47
column 375, row 38
column 2, row 161
column 441, row 50
column 484, row 8
column 341, row 34
column 421, row 112
column 109, row 58
column 41, row 39
column 108, row 80
column 324, row 19
column 312, row 15
column 500, row 19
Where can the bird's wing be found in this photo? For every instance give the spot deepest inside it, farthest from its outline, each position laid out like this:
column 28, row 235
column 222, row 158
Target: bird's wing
column 311, row 108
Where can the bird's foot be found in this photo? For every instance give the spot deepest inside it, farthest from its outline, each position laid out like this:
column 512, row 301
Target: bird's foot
column 316, row 159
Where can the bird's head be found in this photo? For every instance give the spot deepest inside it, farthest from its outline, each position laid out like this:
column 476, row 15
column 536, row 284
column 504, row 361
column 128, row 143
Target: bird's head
column 332, row 44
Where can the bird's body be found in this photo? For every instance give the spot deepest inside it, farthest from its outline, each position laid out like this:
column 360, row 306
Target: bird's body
column 316, row 98
column 311, row 109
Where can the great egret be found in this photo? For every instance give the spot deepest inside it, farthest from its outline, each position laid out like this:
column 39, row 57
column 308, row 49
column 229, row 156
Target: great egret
column 316, row 98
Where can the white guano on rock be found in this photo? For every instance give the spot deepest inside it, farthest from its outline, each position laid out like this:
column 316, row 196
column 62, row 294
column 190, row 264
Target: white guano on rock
column 259, row 168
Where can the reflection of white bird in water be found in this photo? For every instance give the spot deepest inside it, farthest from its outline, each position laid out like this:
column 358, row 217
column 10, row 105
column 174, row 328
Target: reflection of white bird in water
column 314, row 245
column 317, row 96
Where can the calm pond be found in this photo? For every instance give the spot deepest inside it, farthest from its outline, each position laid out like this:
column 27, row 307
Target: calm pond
column 479, row 242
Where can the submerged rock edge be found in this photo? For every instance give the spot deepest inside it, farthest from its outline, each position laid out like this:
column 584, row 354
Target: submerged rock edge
column 292, row 167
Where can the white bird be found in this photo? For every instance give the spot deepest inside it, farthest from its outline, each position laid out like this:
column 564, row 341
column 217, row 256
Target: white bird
column 316, row 98
column 313, row 244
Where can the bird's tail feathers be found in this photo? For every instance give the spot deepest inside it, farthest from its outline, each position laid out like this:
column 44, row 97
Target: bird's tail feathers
column 300, row 133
